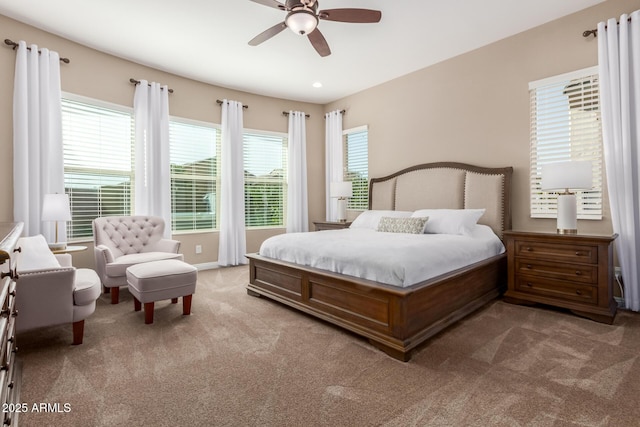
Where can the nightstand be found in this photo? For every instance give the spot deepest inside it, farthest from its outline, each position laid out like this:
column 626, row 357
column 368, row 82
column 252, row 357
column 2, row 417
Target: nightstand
column 573, row 271
column 331, row 225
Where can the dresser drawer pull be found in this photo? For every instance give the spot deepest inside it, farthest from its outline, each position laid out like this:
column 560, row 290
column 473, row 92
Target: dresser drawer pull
column 529, row 284
column 578, row 273
column 578, row 253
column 529, row 266
column 578, row 292
column 528, row 249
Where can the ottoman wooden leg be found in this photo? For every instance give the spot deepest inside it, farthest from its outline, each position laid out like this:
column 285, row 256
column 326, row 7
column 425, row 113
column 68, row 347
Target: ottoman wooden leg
column 186, row 305
column 148, row 313
column 174, row 300
column 136, row 304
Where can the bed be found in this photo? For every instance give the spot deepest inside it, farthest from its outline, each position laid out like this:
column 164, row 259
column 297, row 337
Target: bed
column 397, row 319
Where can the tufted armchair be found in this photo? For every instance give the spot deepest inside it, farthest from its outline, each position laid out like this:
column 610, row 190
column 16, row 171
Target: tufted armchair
column 123, row 241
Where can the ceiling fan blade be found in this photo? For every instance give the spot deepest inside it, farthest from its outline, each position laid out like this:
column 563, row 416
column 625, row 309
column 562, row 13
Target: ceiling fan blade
column 271, row 3
column 267, row 34
column 351, row 15
column 319, row 43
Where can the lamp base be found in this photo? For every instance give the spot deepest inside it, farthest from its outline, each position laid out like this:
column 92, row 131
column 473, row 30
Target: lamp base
column 342, row 209
column 567, row 214
column 58, row 246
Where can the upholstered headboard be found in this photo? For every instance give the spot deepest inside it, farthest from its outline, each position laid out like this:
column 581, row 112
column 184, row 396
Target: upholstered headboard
column 447, row 185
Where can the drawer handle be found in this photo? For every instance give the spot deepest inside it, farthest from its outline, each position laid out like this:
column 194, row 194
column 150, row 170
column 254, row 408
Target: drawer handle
column 578, row 253
column 578, row 273
column 578, row 292
column 528, row 249
column 529, row 266
column 529, row 284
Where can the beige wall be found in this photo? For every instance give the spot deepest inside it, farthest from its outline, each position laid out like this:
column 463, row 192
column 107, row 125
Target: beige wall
column 475, row 108
column 105, row 77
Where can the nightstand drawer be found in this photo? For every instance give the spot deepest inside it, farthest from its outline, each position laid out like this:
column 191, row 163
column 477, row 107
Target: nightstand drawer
column 557, row 289
column 557, row 251
column 573, row 272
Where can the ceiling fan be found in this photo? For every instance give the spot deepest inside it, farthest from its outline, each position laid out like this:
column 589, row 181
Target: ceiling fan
column 303, row 17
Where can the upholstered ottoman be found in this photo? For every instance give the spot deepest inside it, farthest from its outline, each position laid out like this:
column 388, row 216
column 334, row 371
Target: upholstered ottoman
column 159, row 280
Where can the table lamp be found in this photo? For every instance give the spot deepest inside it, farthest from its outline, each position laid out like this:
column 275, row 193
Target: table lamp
column 572, row 175
column 55, row 207
column 341, row 190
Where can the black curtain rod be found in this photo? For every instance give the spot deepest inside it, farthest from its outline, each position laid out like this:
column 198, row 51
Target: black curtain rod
column 220, row 103
column 341, row 112
column 286, row 113
column 136, row 82
column 14, row 46
column 587, row 33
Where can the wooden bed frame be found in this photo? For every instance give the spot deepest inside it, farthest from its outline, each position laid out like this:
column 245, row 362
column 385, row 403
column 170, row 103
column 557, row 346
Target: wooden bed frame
column 394, row 319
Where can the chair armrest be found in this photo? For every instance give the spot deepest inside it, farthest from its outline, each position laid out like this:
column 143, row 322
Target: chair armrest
column 64, row 260
column 104, row 254
column 167, row 245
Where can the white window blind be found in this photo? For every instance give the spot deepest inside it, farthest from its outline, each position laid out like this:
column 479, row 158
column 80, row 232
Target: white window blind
column 195, row 190
column 566, row 126
column 265, row 172
column 98, row 161
column 356, row 166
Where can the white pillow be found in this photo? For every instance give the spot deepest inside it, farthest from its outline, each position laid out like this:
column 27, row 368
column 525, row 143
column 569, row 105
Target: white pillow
column 450, row 221
column 35, row 254
column 370, row 219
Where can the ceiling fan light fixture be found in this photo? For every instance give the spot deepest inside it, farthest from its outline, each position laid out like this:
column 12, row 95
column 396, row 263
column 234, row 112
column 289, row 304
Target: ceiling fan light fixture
column 301, row 21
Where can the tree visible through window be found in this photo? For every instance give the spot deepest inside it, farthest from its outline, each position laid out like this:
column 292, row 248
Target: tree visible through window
column 356, row 166
column 265, row 179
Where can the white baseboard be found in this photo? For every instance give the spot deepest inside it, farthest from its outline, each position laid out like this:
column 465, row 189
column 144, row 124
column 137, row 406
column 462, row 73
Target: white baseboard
column 206, row 266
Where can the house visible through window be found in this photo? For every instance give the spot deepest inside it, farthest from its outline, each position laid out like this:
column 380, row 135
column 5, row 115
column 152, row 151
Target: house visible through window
column 566, row 126
column 195, row 182
column 99, row 169
column 265, row 178
column 356, row 166
column 98, row 161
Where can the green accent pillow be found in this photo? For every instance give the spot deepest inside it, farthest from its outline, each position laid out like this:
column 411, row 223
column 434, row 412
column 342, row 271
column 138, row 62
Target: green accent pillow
column 402, row 225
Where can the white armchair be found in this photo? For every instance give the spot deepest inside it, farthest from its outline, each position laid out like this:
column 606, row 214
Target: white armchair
column 123, row 241
column 49, row 291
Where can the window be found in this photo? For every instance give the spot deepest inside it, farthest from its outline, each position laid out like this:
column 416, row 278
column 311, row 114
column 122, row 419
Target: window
column 195, row 188
column 565, row 125
column 265, row 178
column 98, row 161
column 356, row 166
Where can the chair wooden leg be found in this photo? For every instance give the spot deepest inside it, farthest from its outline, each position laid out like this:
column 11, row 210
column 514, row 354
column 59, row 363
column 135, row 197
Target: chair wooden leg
column 174, row 300
column 115, row 295
column 136, row 304
column 78, row 332
column 148, row 313
column 186, row 305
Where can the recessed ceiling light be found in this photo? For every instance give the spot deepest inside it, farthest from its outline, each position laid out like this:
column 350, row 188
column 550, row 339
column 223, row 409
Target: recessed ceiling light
column 317, row 84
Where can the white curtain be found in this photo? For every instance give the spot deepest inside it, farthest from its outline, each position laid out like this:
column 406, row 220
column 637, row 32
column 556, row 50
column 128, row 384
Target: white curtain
column 38, row 166
column 334, row 159
column 153, row 172
column 233, row 240
column 619, row 67
column 297, row 199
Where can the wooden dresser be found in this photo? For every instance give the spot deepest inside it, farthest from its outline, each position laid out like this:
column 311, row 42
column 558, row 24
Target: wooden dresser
column 10, row 369
column 562, row 270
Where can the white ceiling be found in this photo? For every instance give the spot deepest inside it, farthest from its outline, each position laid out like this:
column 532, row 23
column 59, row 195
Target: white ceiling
column 206, row 40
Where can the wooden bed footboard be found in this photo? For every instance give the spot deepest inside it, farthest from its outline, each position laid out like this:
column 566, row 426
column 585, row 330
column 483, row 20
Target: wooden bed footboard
column 395, row 320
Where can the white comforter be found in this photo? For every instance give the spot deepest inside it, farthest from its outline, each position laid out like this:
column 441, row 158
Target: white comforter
column 397, row 259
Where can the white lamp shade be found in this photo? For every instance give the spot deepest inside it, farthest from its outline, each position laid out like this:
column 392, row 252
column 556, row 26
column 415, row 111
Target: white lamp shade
column 55, row 207
column 341, row 189
column 567, row 175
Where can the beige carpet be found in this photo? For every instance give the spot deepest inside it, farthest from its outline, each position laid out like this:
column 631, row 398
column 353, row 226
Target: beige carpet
column 246, row 361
